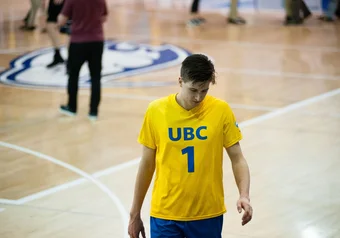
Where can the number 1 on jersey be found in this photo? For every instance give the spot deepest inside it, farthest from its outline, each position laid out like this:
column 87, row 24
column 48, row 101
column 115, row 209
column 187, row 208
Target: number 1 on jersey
column 190, row 151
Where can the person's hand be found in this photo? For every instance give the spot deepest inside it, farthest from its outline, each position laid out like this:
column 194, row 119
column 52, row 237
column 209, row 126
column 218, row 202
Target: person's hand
column 58, row 2
column 244, row 203
column 136, row 226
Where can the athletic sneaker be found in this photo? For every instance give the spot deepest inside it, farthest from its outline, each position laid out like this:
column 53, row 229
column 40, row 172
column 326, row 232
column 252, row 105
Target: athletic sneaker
column 66, row 110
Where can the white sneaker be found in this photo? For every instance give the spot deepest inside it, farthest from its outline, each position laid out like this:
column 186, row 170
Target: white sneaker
column 93, row 117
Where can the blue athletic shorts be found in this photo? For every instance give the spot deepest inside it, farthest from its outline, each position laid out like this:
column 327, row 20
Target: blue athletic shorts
column 207, row 228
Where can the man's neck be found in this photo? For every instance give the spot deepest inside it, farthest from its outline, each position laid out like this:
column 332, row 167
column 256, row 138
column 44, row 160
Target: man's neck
column 181, row 102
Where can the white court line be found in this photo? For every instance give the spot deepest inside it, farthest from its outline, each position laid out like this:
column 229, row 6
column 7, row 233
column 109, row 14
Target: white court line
column 250, row 72
column 68, row 185
column 122, row 166
column 76, row 182
column 100, row 185
column 2, row 209
column 113, row 169
column 289, row 108
column 150, row 98
column 16, row 50
column 231, row 43
column 8, row 201
column 202, row 41
column 316, row 114
column 252, row 107
column 284, row 74
column 280, row 74
column 153, row 74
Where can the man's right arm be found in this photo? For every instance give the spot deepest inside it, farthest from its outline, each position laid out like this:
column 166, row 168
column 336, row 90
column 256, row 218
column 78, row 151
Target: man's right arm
column 144, row 177
column 143, row 180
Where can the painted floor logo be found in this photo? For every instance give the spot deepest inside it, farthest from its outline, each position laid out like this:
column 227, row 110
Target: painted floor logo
column 120, row 60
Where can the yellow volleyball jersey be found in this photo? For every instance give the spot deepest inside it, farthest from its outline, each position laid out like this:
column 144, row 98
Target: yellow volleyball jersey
column 189, row 146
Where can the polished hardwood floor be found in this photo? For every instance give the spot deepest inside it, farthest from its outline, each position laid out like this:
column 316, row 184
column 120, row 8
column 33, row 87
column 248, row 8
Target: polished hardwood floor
column 69, row 177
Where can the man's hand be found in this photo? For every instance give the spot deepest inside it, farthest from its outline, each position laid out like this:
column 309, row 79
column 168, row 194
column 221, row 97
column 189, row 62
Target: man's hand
column 62, row 20
column 136, row 226
column 244, row 203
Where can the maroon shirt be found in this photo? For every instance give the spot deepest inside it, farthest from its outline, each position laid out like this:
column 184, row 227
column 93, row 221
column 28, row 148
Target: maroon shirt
column 87, row 19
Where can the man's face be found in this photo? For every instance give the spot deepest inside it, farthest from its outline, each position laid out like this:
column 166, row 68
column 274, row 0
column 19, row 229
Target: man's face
column 193, row 94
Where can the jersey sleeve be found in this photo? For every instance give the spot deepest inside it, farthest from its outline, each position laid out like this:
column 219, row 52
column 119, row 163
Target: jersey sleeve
column 147, row 133
column 231, row 131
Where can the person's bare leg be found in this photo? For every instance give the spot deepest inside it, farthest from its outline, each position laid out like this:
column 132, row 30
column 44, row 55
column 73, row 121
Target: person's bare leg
column 53, row 33
column 31, row 17
column 43, row 16
column 288, row 8
column 233, row 15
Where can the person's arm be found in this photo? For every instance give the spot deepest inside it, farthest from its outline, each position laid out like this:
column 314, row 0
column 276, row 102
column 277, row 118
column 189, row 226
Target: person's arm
column 65, row 14
column 242, row 178
column 143, row 180
column 62, row 20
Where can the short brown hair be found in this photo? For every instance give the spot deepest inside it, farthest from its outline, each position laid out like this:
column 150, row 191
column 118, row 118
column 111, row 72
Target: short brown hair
column 198, row 68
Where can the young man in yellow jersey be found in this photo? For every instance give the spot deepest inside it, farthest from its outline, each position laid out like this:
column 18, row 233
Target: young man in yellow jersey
column 183, row 136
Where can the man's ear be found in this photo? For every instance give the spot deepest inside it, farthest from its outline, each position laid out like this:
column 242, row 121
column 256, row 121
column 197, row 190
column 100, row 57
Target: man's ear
column 180, row 81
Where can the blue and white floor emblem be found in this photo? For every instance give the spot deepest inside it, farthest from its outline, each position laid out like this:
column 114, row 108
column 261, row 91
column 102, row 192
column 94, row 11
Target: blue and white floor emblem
column 120, row 60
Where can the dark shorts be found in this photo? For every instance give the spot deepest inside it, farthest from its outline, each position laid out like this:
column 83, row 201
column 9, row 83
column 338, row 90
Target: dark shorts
column 207, row 228
column 53, row 11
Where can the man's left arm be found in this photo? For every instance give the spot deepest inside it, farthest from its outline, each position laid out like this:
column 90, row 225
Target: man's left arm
column 65, row 13
column 62, row 20
column 242, row 178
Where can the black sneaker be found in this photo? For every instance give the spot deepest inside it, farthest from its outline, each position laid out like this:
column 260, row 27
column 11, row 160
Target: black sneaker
column 27, row 28
column 325, row 18
column 56, row 61
column 290, row 21
column 237, row 21
column 66, row 110
column 195, row 22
